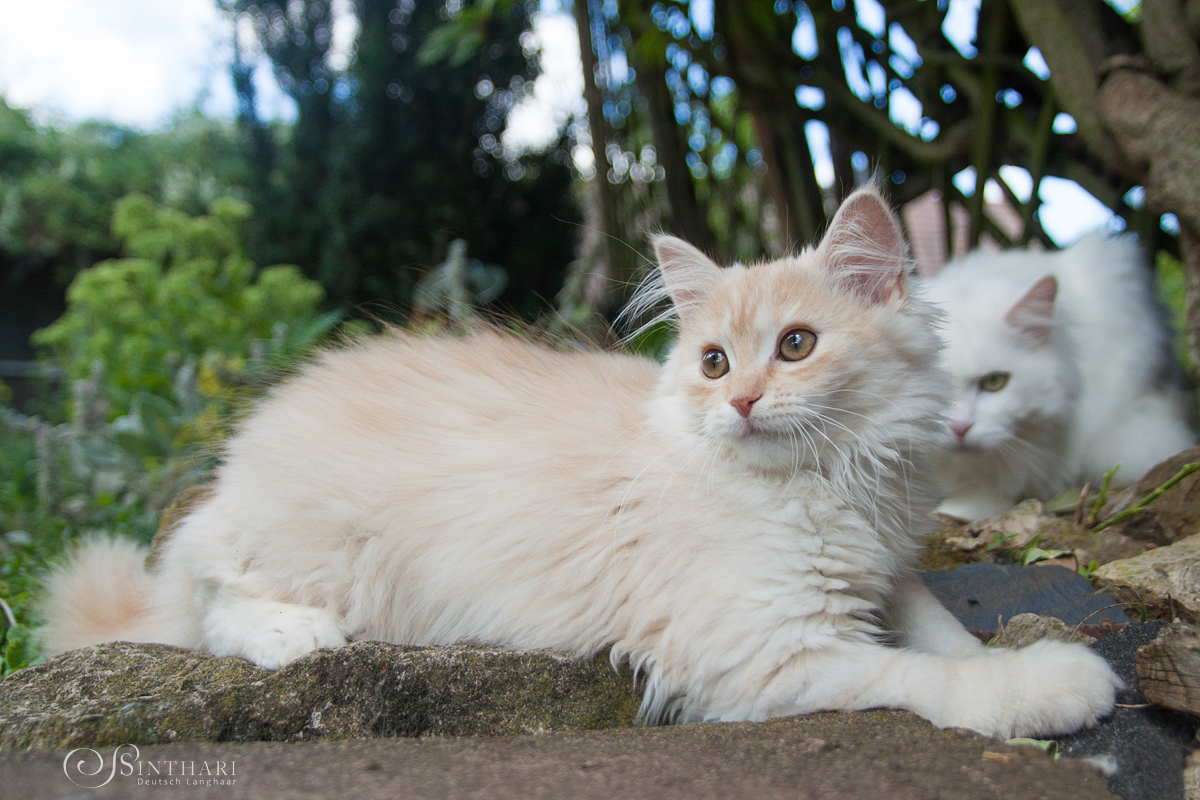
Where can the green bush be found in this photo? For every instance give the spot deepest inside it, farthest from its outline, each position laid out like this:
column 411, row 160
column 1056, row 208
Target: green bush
column 158, row 346
column 184, row 290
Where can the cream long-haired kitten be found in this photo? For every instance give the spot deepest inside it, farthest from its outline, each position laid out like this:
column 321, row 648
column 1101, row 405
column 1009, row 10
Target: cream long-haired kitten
column 1060, row 367
column 739, row 524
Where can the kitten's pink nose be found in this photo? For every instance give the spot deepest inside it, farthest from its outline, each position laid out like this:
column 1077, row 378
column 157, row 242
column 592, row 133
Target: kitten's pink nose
column 960, row 428
column 744, row 404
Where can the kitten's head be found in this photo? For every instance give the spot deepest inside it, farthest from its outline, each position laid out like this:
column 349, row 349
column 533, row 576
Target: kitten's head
column 1010, row 372
column 793, row 362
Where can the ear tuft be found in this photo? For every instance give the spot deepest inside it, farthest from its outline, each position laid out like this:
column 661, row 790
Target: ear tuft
column 1033, row 314
column 864, row 247
column 688, row 274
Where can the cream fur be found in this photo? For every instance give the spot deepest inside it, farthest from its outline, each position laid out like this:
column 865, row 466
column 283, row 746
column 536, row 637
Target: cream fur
column 433, row 490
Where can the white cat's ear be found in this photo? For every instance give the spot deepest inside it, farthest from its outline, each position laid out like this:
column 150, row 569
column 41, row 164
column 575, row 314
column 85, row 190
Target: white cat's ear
column 1034, row 312
column 689, row 275
column 865, row 248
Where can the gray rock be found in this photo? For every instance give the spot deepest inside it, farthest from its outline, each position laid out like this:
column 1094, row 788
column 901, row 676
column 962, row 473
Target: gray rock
column 981, row 595
column 1148, row 745
column 871, row 754
column 120, row 693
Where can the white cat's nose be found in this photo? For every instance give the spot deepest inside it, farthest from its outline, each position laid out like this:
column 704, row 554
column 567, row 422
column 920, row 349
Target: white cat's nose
column 960, row 429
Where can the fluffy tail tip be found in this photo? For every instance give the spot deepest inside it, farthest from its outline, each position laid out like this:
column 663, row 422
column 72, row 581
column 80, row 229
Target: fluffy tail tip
column 101, row 594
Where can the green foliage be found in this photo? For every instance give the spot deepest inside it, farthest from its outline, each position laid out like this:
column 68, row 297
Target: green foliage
column 654, row 340
column 58, row 186
column 1172, row 291
column 162, row 339
column 185, row 290
column 1102, row 497
column 165, row 340
column 37, row 527
column 1000, row 541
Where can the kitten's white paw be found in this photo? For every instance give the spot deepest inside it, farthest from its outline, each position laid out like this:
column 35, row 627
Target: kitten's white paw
column 1045, row 689
column 272, row 634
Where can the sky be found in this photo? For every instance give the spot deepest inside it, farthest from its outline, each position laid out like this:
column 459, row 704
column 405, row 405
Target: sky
column 139, row 62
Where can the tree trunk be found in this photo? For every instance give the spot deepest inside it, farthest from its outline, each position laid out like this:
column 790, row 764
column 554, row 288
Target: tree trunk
column 617, row 259
column 687, row 218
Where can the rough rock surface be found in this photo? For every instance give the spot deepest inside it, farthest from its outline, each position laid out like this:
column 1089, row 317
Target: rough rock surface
column 868, row 755
column 981, row 594
column 1173, row 516
column 1146, row 746
column 1165, row 581
column 1025, row 629
column 143, row 694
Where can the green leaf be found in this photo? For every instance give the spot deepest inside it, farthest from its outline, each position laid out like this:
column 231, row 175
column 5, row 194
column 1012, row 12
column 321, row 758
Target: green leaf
column 316, row 330
column 1035, row 554
column 1000, row 540
column 456, row 42
column 438, row 44
column 20, row 648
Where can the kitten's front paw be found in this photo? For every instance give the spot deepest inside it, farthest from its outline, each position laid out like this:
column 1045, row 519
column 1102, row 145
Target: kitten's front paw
column 271, row 634
column 1049, row 688
column 296, row 631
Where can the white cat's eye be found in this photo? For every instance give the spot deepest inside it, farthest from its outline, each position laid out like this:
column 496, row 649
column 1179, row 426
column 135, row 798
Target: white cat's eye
column 994, row 381
column 797, row 344
column 714, row 362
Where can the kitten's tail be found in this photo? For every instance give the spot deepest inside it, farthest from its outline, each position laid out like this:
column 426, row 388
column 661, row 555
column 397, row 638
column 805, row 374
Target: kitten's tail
column 104, row 593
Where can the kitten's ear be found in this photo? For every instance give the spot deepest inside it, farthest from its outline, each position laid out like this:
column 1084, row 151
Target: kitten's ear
column 689, row 275
column 864, row 247
column 1034, row 312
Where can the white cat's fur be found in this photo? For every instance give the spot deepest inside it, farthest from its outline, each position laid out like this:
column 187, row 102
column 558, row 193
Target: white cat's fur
column 1090, row 382
column 433, row 490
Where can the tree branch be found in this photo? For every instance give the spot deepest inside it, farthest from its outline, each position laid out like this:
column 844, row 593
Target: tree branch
column 1047, row 26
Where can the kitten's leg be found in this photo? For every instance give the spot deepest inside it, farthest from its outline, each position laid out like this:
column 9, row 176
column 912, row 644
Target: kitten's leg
column 924, row 624
column 268, row 633
column 1048, row 688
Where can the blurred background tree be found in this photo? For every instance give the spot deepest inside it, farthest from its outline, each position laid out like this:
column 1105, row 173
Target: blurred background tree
column 761, row 116
column 58, row 188
column 397, row 154
column 737, row 124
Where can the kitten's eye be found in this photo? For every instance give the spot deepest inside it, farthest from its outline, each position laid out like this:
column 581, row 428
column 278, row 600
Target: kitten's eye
column 714, row 363
column 994, row 381
column 797, row 344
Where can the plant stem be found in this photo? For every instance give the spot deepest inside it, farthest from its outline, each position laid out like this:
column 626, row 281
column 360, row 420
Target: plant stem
column 1187, row 469
column 1102, row 498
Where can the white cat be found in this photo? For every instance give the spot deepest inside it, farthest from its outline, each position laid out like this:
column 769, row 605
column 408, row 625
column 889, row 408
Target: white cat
column 1060, row 369
column 739, row 524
